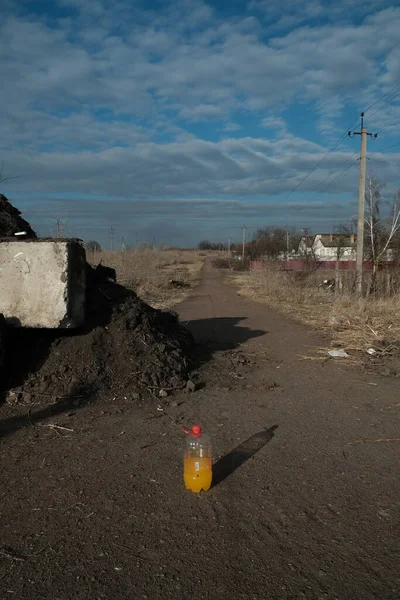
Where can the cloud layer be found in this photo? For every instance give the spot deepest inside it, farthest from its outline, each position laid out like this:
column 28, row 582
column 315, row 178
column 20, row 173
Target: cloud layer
column 113, row 99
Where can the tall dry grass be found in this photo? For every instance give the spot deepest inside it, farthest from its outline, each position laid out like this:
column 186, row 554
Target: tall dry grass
column 148, row 272
column 355, row 324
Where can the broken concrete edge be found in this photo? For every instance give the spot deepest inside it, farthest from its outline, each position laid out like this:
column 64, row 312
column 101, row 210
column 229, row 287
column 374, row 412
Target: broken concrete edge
column 43, row 286
column 75, row 292
column 40, row 240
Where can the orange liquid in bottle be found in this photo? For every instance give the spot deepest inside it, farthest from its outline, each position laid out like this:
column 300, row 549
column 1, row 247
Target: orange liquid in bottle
column 197, row 474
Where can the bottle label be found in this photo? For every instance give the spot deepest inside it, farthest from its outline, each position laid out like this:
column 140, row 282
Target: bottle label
column 197, row 466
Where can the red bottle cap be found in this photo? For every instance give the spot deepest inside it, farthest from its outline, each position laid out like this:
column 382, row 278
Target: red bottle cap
column 194, row 432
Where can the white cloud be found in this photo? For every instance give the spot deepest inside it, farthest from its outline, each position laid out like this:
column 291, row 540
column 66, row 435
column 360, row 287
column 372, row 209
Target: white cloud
column 297, row 12
column 231, row 127
column 201, row 112
column 274, row 122
column 244, row 166
column 111, row 98
column 193, row 73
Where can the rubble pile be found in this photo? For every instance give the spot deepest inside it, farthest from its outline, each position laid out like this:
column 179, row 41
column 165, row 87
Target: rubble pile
column 126, row 348
column 11, row 221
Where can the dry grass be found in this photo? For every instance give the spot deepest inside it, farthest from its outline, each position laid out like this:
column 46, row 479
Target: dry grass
column 148, row 272
column 364, row 322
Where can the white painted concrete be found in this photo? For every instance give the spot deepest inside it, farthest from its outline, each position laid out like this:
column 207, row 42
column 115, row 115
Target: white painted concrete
column 42, row 283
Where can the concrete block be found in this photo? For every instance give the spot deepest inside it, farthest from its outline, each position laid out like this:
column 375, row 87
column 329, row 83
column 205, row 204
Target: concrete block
column 43, row 283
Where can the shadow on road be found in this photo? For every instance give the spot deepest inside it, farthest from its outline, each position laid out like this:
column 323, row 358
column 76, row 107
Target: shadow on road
column 30, row 418
column 226, row 465
column 221, row 333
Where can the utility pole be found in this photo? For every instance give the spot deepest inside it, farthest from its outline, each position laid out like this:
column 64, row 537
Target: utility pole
column 122, row 244
column 306, row 232
column 59, row 232
column 287, row 245
column 361, row 202
column 111, row 238
column 229, row 246
column 244, row 240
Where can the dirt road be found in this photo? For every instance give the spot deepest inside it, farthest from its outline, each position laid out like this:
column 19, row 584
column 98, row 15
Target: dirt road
column 305, row 504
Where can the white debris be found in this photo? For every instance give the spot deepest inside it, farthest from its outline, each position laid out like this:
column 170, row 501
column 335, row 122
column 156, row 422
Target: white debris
column 338, row 353
column 335, row 320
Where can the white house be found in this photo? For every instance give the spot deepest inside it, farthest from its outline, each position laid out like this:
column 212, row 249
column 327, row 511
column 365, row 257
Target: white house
column 328, row 246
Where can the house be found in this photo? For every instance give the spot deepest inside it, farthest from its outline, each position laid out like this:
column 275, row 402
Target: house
column 328, row 246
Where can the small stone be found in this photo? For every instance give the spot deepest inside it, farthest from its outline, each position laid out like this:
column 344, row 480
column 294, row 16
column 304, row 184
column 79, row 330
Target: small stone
column 190, row 386
column 136, row 396
column 174, row 404
column 11, row 397
column 42, row 387
column 27, row 398
column 163, row 393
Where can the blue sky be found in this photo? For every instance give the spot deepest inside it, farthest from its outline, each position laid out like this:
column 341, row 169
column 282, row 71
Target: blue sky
column 184, row 120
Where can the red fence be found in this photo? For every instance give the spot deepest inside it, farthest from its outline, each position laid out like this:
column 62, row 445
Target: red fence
column 324, row 265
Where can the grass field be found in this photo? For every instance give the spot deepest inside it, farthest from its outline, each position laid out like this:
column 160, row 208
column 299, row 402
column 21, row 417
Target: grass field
column 148, row 272
column 355, row 324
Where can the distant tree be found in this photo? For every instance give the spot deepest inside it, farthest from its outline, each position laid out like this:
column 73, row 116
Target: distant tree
column 307, row 251
column 382, row 229
column 205, row 245
column 342, row 241
column 93, row 246
column 272, row 242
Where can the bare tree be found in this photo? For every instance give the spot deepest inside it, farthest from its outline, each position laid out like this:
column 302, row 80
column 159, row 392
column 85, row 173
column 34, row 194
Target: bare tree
column 382, row 226
column 3, row 177
column 343, row 239
column 307, row 251
column 93, row 246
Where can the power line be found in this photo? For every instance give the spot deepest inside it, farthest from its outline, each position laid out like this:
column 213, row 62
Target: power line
column 333, row 148
column 328, row 153
column 387, row 126
column 344, row 162
column 343, row 172
column 389, row 147
column 386, row 103
column 384, row 96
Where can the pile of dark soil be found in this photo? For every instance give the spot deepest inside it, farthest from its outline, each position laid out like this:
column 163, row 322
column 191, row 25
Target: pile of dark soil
column 127, row 349
column 11, row 221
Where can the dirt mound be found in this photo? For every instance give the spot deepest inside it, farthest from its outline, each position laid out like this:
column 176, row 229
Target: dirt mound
column 11, row 221
column 127, row 348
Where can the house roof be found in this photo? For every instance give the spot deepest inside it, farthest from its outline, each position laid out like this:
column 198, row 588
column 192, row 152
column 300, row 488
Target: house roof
column 337, row 240
column 329, row 240
column 309, row 240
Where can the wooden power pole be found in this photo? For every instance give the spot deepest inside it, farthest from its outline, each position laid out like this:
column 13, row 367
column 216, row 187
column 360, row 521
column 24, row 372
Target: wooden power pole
column 244, row 241
column 361, row 202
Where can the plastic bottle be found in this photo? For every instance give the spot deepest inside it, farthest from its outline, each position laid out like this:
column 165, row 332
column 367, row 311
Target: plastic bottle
column 197, row 469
